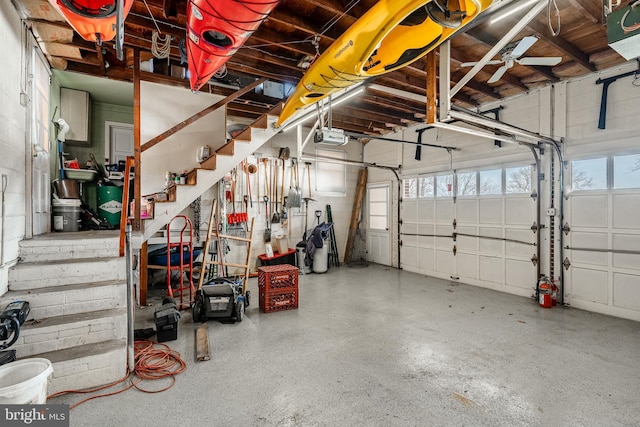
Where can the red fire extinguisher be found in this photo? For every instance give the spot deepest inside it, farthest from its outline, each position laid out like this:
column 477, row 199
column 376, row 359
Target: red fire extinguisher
column 544, row 293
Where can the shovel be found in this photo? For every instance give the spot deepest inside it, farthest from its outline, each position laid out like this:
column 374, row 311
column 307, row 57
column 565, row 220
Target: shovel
column 294, row 200
column 275, row 218
column 267, row 230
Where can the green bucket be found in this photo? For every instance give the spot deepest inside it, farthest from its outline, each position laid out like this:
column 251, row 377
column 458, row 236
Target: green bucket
column 110, row 203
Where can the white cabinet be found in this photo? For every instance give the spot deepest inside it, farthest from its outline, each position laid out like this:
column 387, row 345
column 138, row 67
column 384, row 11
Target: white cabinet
column 75, row 108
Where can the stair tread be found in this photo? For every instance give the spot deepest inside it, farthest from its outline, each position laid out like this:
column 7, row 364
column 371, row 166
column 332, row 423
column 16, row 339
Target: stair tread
column 29, row 264
column 82, row 351
column 72, row 318
column 71, row 238
column 64, row 288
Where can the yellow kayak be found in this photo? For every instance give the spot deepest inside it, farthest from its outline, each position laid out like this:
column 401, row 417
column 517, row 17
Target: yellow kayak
column 390, row 35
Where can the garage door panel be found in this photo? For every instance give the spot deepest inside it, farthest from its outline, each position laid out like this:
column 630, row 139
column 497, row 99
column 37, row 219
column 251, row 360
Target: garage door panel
column 488, row 246
column 520, row 274
column 410, row 241
column 627, row 242
column 626, row 291
column 444, row 242
column 491, row 269
column 467, row 265
column 467, row 211
column 589, row 285
column 467, row 244
column 518, row 249
column 409, row 255
column 625, row 211
column 426, row 229
column 589, row 211
column 444, row 211
column 592, row 241
column 409, row 227
column 444, row 262
column 426, row 259
column 426, row 211
column 426, row 242
column 410, row 210
column 491, row 211
column 519, row 211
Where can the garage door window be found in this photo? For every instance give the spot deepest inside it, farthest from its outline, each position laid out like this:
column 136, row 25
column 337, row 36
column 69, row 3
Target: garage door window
column 491, row 182
column 467, row 184
column 444, row 186
column 626, row 171
column 410, row 188
column 589, row 174
column 518, row 180
column 427, row 188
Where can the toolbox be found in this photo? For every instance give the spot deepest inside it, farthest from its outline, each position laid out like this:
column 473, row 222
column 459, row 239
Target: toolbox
column 166, row 319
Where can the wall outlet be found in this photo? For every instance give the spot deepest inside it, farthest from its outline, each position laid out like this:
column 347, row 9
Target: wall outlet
column 551, row 211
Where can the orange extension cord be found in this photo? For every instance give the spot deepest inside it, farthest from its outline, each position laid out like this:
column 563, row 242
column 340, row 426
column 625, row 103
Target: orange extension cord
column 153, row 361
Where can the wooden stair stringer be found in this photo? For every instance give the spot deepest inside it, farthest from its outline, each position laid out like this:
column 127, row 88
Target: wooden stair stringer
column 206, row 178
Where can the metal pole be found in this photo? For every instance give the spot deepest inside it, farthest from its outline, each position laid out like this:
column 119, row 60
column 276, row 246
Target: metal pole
column 130, row 306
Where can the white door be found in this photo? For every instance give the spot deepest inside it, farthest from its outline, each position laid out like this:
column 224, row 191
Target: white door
column 40, row 182
column 120, row 141
column 378, row 220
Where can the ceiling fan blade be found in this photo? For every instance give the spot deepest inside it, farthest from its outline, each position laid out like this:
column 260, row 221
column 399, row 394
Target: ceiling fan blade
column 543, row 60
column 471, row 64
column 523, row 46
column 498, row 74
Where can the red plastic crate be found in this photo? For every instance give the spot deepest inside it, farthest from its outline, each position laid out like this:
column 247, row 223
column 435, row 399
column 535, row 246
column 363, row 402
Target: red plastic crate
column 277, row 278
column 278, row 301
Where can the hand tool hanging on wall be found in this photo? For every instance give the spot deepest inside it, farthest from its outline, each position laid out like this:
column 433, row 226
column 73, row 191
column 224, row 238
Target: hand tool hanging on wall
column 275, row 218
column 267, row 230
column 308, row 164
column 294, row 200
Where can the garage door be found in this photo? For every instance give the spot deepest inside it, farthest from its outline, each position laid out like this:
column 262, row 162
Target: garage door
column 604, row 241
column 482, row 237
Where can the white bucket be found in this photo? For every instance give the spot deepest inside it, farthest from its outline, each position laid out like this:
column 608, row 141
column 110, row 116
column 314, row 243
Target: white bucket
column 283, row 244
column 25, row 381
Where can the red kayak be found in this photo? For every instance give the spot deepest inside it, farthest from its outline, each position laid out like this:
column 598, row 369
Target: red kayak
column 94, row 20
column 216, row 29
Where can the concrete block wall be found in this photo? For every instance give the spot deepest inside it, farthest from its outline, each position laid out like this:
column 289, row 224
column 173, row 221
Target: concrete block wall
column 12, row 141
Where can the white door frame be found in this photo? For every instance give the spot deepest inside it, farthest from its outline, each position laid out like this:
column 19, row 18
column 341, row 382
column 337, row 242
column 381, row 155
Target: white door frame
column 386, row 185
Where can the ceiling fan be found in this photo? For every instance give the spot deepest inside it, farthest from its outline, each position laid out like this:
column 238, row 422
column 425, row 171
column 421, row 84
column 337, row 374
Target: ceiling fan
column 511, row 55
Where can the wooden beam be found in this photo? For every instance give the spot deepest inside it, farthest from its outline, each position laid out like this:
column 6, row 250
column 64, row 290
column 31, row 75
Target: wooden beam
column 562, row 45
column 137, row 196
column 154, row 141
column 202, row 341
column 355, row 213
column 432, row 85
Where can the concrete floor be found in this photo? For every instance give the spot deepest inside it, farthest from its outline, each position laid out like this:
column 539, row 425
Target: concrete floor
column 374, row 346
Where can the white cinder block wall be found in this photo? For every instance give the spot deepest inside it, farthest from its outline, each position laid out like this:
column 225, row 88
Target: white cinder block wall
column 12, row 141
column 568, row 110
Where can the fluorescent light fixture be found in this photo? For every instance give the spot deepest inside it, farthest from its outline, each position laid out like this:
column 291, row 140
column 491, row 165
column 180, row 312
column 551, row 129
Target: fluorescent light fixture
column 310, row 112
column 511, row 11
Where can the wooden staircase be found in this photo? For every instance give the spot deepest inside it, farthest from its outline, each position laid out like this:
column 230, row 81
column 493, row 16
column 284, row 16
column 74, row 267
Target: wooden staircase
column 211, row 171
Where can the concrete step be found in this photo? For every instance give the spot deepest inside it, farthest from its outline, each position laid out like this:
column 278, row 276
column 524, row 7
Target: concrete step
column 37, row 275
column 70, row 299
column 59, row 246
column 88, row 365
column 72, row 330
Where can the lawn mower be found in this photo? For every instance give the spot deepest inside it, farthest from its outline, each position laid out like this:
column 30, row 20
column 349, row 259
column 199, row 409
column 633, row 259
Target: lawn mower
column 222, row 299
